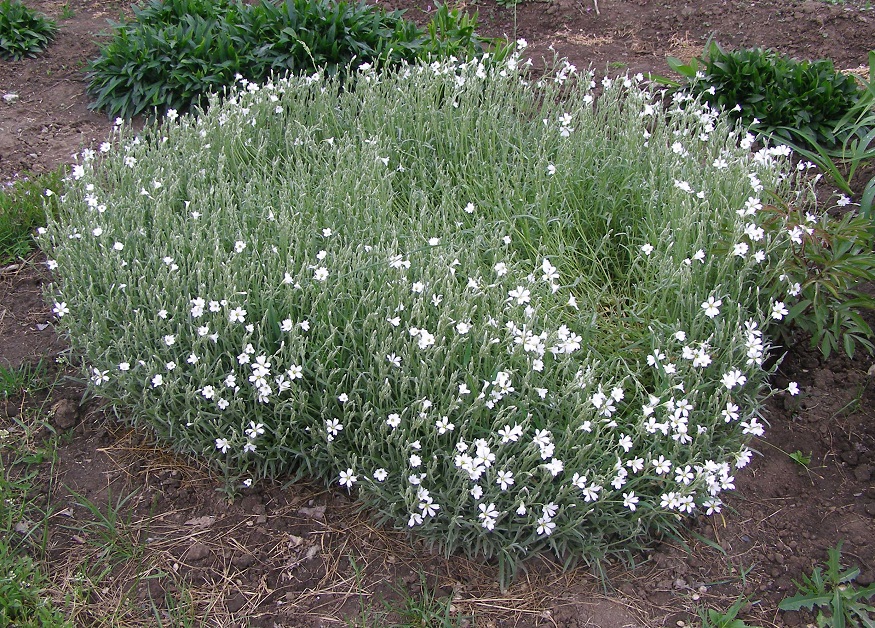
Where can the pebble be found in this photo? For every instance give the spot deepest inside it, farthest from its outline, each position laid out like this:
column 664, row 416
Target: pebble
column 197, row 552
column 66, row 413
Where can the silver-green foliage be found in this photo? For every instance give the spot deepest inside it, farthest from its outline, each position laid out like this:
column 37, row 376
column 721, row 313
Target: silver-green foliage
column 503, row 315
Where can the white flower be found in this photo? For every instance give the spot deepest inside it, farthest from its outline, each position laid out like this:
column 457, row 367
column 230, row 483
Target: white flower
column 521, row 294
column 222, row 445
column 545, row 527
column 61, row 309
column 443, row 425
column 779, row 310
column 98, row 377
column 733, row 378
column 380, row 474
column 488, row 515
column 551, row 169
column 712, row 307
column 504, row 479
column 469, row 208
column 661, row 466
column 332, row 427
column 237, row 315
column 394, row 420
column 730, row 413
column 630, row 500
column 555, row 466
column 320, row 273
column 793, row 388
column 347, row 478
column 500, row 269
column 169, row 340
column 843, row 201
column 591, row 492
column 157, row 380
column 239, row 245
column 647, row 249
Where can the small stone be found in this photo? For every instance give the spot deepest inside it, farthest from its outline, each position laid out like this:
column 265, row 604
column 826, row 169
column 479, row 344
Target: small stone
column 863, row 473
column 10, row 98
column 316, row 512
column 65, row 413
column 236, row 603
column 197, row 552
column 850, row 456
column 243, row 561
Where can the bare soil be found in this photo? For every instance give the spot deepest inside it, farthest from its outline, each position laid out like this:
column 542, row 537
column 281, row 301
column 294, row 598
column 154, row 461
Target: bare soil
column 296, row 554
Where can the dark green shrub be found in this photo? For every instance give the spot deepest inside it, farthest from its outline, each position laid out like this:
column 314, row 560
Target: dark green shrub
column 776, row 95
column 23, row 31
column 173, row 53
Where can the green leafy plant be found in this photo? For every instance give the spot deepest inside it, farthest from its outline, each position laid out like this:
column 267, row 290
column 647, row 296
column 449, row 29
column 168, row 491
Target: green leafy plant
column 800, row 458
column 174, row 53
column 822, row 114
column 771, row 93
column 712, row 618
column 838, row 601
column 24, row 202
column 855, row 145
column 830, row 257
column 407, row 284
column 23, row 31
column 23, row 602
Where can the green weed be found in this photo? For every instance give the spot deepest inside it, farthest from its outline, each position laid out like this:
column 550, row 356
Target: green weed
column 838, row 601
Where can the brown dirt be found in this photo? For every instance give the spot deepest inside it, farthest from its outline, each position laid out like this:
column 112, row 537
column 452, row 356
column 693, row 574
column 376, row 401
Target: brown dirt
column 298, row 555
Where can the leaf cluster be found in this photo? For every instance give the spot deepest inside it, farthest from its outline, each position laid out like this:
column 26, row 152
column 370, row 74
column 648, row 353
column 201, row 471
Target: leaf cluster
column 856, row 146
column 175, row 52
column 712, row 618
column 835, row 593
column 23, row 31
column 830, row 261
column 779, row 96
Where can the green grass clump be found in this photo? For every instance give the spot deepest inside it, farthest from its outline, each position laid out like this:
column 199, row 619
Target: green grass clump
column 503, row 317
column 23, row 31
column 175, row 52
column 24, row 202
column 23, row 585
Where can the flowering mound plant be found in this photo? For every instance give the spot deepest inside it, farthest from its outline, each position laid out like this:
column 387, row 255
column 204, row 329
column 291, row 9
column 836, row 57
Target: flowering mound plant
column 502, row 314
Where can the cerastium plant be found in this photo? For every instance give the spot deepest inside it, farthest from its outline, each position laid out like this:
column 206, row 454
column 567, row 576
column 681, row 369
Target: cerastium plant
column 503, row 317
